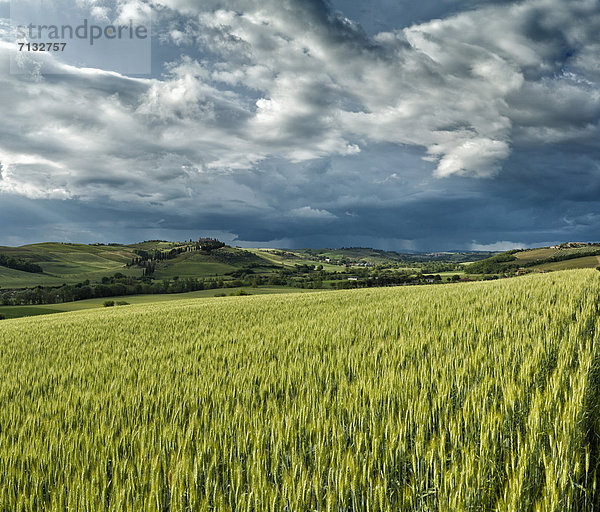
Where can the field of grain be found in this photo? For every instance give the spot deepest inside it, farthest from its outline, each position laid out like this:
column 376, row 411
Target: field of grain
column 466, row 397
column 216, row 293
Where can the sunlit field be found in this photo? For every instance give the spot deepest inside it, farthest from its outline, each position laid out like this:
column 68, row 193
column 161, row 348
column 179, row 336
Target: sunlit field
column 467, row 397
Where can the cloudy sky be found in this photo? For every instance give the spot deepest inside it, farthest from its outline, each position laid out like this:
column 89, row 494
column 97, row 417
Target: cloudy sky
column 391, row 123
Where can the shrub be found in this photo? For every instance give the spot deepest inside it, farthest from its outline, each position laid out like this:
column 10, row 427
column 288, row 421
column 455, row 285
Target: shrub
column 239, row 293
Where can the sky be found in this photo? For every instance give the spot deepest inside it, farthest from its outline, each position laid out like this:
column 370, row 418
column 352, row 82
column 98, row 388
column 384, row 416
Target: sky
column 400, row 125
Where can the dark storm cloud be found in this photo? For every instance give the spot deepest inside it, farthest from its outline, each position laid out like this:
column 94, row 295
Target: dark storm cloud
column 310, row 121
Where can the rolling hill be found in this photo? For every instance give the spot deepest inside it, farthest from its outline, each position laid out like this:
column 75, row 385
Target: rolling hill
column 76, row 263
column 66, row 263
column 544, row 259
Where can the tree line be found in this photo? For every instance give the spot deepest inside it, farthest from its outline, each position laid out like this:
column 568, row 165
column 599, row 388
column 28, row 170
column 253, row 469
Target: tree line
column 109, row 287
column 19, row 264
column 148, row 259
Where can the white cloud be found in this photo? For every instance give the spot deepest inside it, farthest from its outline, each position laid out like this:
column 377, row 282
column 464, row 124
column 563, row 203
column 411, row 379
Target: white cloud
column 306, row 212
column 478, row 157
column 134, row 10
column 32, row 176
column 286, row 81
column 452, row 86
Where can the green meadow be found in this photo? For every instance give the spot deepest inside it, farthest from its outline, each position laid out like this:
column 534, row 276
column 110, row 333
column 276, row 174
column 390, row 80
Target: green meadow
column 46, row 309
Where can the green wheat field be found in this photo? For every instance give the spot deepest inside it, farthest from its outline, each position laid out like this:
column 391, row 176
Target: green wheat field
column 467, row 397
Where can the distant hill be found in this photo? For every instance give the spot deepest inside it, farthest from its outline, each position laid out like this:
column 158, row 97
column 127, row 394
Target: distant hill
column 544, row 259
column 65, row 263
column 68, row 263
column 48, row 277
column 376, row 256
column 75, row 263
column 55, row 264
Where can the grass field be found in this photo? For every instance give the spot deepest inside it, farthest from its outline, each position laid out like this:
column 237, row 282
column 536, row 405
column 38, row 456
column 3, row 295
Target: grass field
column 10, row 278
column 74, row 263
column 21, row 311
column 290, row 262
column 536, row 254
column 585, row 262
column 66, row 263
column 81, row 263
column 193, row 267
column 543, row 253
column 47, row 309
column 478, row 396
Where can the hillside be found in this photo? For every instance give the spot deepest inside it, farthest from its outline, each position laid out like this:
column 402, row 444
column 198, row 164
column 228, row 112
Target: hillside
column 66, row 263
column 75, row 263
column 50, row 277
column 52, row 274
column 161, row 260
column 378, row 257
column 477, row 396
column 543, row 259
